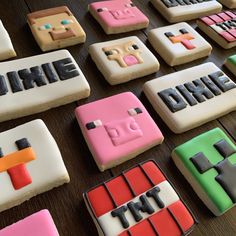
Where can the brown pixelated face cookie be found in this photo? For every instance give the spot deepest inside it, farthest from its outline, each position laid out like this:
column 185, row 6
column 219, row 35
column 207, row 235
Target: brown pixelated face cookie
column 55, row 28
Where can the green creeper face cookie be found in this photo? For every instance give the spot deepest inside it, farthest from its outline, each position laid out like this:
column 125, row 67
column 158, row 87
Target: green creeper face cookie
column 208, row 162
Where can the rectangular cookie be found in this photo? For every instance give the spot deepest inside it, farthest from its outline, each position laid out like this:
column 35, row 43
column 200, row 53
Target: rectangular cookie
column 140, row 201
column 229, row 3
column 220, row 27
column 179, row 43
column 37, row 224
column 208, row 162
column 6, row 48
column 30, row 164
column 117, row 128
column 55, row 28
column 26, row 84
column 189, row 98
column 183, row 10
column 118, row 16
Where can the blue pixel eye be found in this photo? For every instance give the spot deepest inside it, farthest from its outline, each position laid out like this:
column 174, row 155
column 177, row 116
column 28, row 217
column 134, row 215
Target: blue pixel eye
column 45, row 27
column 66, row 22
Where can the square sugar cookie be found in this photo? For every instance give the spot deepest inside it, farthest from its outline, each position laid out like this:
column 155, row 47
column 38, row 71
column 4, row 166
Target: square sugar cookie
column 6, row 48
column 231, row 64
column 140, row 201
column 55, row 28
column 123, row 59
column 179, row 43
column 38, row 224
column 117, row 129
column 220, row 27
column 26, row 84
column 189, row 98
column 118, row 16
column 183, row 10
column 30, row 164
column 229, row 3
column 208, row 162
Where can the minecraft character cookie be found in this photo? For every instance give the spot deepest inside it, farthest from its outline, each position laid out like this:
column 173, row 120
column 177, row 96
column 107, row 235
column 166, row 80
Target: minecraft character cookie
column 55, row 28
column 38, row 224
column 179, row 43
column 26, row 84
column 123, row 59
column 118, row 16
column 231, row 64
column 178, row 10
column 229, row 3
column 220, row 27
column 140, row 201
column 6, row 48
column 192, row 97
column 208, row 162
column 117, row 129
column 30, row 164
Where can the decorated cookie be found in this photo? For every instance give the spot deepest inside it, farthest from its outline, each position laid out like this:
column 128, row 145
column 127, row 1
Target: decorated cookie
column 182, row 10
column 139, row 202
column 6, row 47
column 117, row 129
column 38, row 224
column 192, row 97
column 208, row 162
column 55, row 28
column 229, row 3
column 30, row 164
column 231, row 64
column 123, row 59
column 179, row 43
column 118, row 16
column 220, row 27
column 26, row 85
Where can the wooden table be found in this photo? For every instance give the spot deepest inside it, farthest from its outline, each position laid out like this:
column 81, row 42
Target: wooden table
column 66, row 203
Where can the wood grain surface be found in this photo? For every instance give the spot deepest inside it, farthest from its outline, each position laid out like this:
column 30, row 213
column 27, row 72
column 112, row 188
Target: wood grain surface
column 66, row 202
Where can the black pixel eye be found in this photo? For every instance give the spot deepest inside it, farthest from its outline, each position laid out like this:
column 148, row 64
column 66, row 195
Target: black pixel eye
column 135, row 47
column 108, row 53
column 135, row 111
column 102, row 9
column 169, row 34
column 183, row 31
column 93, row 124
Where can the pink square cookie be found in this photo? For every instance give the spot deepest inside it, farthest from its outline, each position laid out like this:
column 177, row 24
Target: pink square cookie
column 117, row 129
column 118, row 16
column 38, row 224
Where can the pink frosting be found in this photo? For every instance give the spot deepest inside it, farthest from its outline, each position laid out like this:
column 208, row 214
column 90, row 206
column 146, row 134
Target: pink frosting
column 38, row 224
column 121, row 133
column 118, row 13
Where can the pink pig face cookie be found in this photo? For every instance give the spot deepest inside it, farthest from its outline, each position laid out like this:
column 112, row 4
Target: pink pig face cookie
column 118, row 16
column 117, row 129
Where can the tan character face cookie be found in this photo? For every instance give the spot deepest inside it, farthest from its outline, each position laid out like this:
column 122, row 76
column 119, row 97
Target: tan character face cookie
column 55, row 28
column 179, row 43
column 123, row 59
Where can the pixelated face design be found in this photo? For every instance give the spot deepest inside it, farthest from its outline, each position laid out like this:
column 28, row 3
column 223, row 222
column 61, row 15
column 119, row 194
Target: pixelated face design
column 14, row 163
column 54, row 24
column 121, row 131
column 226, row 170
column 118, row 11
column 126, row 54
column 185, row 38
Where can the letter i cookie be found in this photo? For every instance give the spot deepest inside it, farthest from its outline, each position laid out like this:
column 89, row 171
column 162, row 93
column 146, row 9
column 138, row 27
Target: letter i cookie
column 139, row 202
